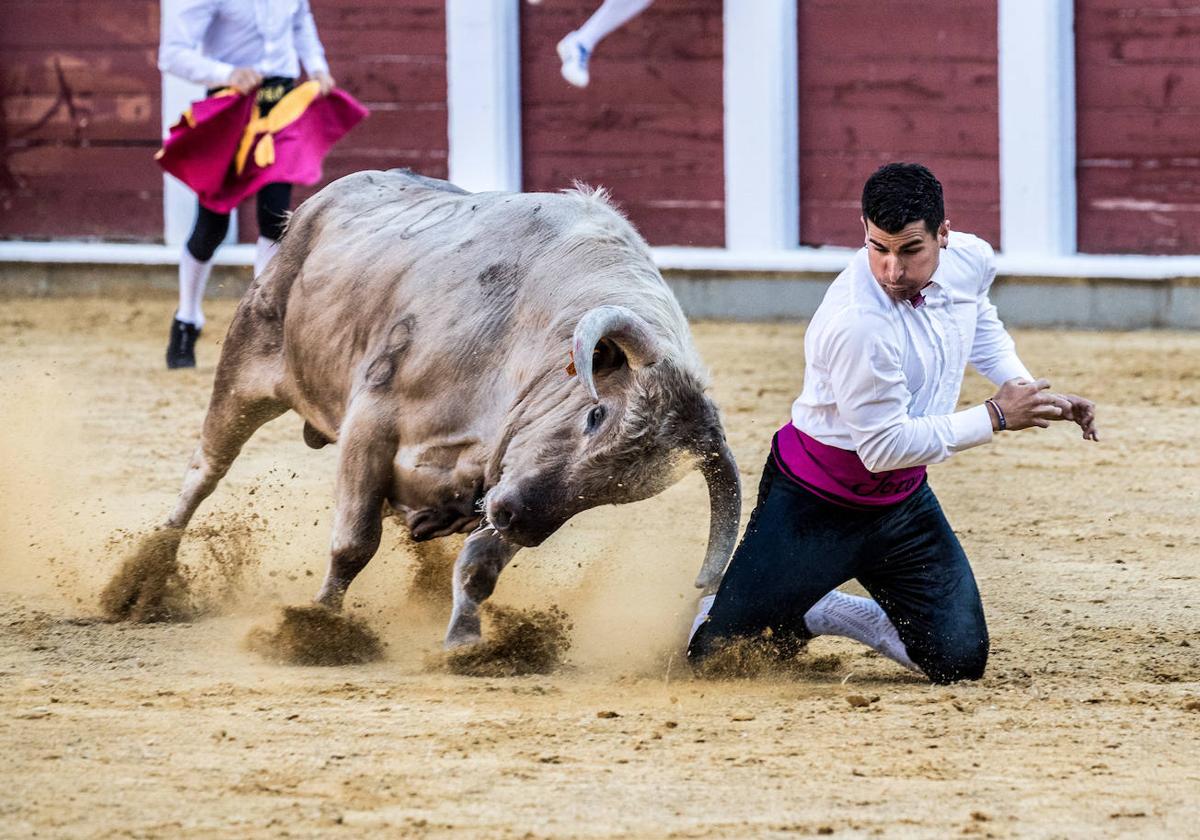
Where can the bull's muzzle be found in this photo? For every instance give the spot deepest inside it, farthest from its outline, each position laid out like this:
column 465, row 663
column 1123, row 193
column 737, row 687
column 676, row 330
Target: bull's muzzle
column 516, row 522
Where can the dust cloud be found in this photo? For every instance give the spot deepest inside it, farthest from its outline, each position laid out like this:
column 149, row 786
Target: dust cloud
column 515, row 643
column 148, row 586
column 315, row 635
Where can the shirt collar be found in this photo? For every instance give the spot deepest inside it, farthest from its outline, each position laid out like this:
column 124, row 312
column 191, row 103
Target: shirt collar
column 934, row 288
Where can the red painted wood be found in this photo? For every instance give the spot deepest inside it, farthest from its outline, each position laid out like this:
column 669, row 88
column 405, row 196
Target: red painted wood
column 1138, row 108
column 51, row 213
column 60, row 166
column 81, row 102
column 64, row 165
column 649, row 127
column 105, row 24
column 884, row 80
column 391, row 56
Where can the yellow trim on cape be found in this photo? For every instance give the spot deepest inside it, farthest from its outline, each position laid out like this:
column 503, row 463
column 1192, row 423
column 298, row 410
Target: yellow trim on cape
column 289, row 109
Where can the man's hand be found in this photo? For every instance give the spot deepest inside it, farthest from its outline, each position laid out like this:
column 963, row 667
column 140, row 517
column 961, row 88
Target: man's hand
column 1082, row 412
column 244, row 79
column 1027, row 404
column 325, row 81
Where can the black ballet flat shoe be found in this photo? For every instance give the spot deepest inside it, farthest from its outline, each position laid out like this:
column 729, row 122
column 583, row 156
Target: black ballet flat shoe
column 181, row 349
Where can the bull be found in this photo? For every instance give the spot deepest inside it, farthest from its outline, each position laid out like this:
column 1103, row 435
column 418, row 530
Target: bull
column 488, row 363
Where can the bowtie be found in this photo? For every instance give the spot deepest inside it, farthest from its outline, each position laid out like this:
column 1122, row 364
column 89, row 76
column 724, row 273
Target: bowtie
column 917, row 300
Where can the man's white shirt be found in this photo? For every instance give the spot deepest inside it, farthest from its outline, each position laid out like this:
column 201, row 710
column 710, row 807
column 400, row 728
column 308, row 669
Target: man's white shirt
column 206, row 40
column 883, row 378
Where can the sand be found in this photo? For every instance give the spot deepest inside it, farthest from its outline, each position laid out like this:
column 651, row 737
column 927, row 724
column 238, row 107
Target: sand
column 1086, row 725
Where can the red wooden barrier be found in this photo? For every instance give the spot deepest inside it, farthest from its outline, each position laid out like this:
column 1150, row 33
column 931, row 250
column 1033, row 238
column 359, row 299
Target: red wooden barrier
column 390, row 55
column 649, row 127
column 80, row 107
column 884, row 80
column 1138, row 112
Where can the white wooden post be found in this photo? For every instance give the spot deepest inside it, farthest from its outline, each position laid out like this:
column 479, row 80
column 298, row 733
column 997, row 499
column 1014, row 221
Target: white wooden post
column 762, row 184
column 483, row 80
column 1037, row 127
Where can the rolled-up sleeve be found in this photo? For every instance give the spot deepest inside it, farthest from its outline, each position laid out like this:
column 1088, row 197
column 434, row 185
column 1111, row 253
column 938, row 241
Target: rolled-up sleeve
column 308, row 43
column 993, row 352
column 179, row 49
column 866, row 374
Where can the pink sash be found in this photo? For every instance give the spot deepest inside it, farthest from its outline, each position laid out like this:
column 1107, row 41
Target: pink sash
column 838, row 475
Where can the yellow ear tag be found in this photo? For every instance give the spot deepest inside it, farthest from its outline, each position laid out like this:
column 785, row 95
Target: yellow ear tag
column 571, row 366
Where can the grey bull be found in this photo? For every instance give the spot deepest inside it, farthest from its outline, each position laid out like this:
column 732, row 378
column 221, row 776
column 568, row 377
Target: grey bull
column 488, row 363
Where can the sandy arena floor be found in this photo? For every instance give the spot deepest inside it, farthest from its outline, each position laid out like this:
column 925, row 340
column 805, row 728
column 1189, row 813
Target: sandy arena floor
column 1087, row 725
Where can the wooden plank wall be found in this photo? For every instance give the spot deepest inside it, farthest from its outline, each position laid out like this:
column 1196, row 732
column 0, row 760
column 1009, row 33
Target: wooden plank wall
column 650, row 125
column 879, row 80
column 80, row 99
column 391, row 56
column 1138, row 116
column 884, row 80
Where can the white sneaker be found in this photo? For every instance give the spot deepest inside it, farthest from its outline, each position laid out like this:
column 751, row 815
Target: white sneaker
column 702, row 608
column 574, row 57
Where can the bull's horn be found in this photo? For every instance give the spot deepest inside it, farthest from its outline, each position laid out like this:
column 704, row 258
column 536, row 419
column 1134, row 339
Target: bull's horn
column 624, row 328
column 725, row 502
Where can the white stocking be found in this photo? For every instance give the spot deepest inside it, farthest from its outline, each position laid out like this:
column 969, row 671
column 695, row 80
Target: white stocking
column 702, row 609
column 193, row 277
column 264, row 249
column 611, row 15
column 861, row 619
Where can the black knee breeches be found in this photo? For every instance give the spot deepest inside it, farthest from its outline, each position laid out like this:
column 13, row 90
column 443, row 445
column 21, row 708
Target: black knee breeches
column 272, row 200
column 210, row 228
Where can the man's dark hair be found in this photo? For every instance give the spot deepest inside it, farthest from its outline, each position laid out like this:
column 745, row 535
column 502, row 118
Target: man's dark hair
column 898, row 194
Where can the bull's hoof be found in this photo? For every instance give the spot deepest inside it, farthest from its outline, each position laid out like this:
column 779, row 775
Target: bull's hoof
column 331, row 597
column 461, row 641
column 519, row 642
column 462, row 636
column 464, row 630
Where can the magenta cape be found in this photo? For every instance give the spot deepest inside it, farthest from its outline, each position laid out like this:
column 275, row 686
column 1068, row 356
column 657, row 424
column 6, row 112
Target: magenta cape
column 224, row 151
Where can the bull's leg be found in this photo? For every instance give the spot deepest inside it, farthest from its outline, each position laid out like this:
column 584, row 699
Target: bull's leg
column 365, row 475
column 228, row 425
column 475, row 572
column 145, row 587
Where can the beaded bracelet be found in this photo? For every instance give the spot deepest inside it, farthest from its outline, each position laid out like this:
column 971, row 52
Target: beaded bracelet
column 1000, row 421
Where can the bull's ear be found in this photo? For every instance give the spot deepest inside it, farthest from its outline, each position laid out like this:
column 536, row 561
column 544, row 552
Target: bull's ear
column 620, row 327
column 608, row 356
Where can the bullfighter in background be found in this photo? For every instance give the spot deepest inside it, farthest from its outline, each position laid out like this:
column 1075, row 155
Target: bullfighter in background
column 232, row 46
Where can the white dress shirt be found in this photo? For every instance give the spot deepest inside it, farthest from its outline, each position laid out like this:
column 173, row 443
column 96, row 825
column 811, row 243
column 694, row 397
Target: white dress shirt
column 204, row 41
column 882, row 378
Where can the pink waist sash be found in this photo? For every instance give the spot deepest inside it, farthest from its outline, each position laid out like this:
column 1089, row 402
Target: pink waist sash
column 838, row 475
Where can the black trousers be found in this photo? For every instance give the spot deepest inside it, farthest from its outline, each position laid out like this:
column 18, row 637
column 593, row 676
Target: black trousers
column 272, row 201
column 797, row 547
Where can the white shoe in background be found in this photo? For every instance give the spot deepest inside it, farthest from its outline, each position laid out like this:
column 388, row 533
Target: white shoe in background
column 574, row 57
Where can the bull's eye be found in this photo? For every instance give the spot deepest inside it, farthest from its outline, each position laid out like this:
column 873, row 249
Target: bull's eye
column 595, row 418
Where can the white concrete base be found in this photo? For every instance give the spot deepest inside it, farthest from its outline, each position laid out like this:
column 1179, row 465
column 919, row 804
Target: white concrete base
column 1087, row 303
column 1101, row 292
column 792, row 260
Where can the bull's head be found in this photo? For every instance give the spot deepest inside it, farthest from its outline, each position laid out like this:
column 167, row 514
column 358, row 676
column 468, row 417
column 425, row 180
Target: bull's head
column 627, row 425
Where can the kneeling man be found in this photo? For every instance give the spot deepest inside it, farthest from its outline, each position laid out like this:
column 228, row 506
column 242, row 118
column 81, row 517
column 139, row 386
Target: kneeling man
column 843, row 493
